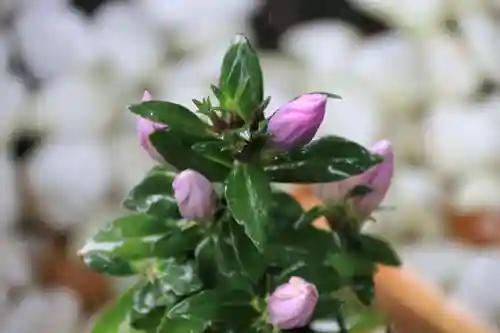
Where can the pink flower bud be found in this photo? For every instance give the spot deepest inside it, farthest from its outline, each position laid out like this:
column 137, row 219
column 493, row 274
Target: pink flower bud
column 292, row 304
column 378, row 178
column 296, row 123
column 195, row 195
column 145, row 128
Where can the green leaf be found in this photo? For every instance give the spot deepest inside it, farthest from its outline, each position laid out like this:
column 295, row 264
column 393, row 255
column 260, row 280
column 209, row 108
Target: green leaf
column 148, row 323
column 154, row 195
column 309, row 217
column 303, row 253
column 327, row 307
column 115, row 317
column 248, row 195
column 125, row 239
column 239, row 262
column 364, row 288
column 175, row 148
column 150, row 296
column 366, row 321
column 206, row 263
column 378, row 250
column 174, row 115
column 327, row 159
column 241, row 81
column 285, row 211
column 217, row 151
column 182, row 325
column 310, row 245
column 179, row 242
column 108, row 264
column 179, row 278
column 211, row 306
column 349, row 265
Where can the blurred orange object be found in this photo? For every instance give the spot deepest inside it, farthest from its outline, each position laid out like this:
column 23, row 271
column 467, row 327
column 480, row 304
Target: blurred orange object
column 409, row 303
column 476, row 228
column 55, row 268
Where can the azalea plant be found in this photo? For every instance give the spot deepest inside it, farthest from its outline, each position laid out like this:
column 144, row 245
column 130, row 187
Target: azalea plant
column 214, row 246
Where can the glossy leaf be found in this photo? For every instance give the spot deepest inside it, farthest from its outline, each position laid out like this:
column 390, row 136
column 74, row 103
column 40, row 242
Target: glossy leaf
column 179, row 242
column 154, row 195
column 125, row 239
column 174, row 115
column 175, row 148
column 238, row 261
column 178, row 278
column 206, row 263
column 285, row 211
column 307, row 218
column 108, row 264
column 310, row 245
column 115, row 317
column 364, row 288
column 326, row 159
column 327, row 307
column 216, row 151
column 150, row 296
column 229, row 307
column 241, row 81
column 147, row 323
column 379, row 250
column 182, row 325
column 248, row 195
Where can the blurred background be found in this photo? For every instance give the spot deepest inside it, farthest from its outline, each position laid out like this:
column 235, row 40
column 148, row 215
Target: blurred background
column 424, row 74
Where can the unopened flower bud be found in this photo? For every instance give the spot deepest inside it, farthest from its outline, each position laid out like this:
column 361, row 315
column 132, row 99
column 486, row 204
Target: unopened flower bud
column 296, row 123
column 292, row 304
column 145, row 128
column 195, row 195
column 377, row 178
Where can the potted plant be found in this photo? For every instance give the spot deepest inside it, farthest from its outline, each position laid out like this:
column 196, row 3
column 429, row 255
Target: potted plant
column 214, row 246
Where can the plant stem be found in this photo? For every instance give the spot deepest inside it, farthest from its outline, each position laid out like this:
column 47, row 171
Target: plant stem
column 341, row 323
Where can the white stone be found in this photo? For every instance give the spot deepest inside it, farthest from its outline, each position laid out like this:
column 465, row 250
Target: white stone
column 54, row 42
column 477, row 192
column 204, row 31
column 481, row 33
column 356, row 116
column 181, row 87
column 449, row 68
column 130, row 162
column 5, row 49
column 15, row 266
column 13, row 98
column 389, row 65
column 439, row 264
column 69, row 181
column 460, row 7
column 405, row 224
column 476, row 288
column 407, row 138
column 9, row 195
column 418, row 16
column 175, row 15
column 416, row 187
column 129, row 46
column 461, row 138
column 73, row 107
column 323, row 46
column 44, row 311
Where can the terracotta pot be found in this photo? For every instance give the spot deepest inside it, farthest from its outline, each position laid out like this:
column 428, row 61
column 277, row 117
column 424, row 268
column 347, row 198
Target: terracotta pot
column 410, row 304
